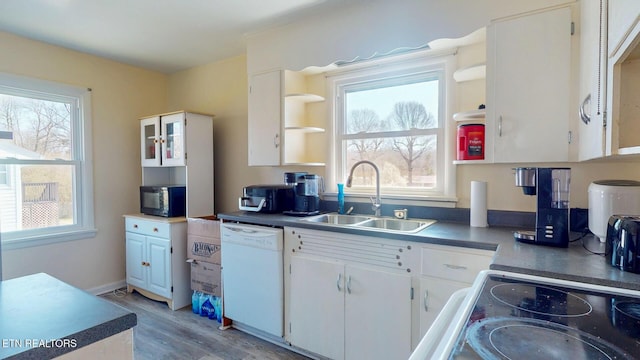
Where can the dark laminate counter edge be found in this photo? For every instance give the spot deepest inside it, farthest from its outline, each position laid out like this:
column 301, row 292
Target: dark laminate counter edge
column 39, row 309
column 574, row 263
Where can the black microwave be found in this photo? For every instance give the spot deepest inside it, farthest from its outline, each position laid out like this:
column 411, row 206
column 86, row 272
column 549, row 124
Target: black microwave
column 163, row 200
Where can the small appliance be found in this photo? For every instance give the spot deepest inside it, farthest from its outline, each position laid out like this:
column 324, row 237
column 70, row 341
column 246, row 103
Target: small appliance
column 163, row 200
column 623, row 243
column 610, row 197
column 551, row 187
column 267, row 198
column 307, row 195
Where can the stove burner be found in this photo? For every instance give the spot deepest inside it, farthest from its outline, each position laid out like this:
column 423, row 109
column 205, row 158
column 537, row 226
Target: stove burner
column 541, row 300
column 508, row 338
column 630, row 309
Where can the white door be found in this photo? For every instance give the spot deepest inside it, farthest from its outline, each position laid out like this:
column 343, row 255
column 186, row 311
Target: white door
column 150, row 141
column 173, row 140
column 316, row 310
column 433, row 295
column 623, row 15
column 377, row 314
column 135, row 260
column 159, row 266
column 593, row 80
column 265, row 109
column 529, row 85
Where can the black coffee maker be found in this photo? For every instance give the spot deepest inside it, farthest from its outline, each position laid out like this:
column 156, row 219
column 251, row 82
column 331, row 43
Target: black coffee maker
column 307, row 192
column 551, row 186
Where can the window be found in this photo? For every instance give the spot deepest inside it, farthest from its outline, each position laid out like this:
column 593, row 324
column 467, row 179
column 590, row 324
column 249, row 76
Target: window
column 393, row 114
column 45, row 162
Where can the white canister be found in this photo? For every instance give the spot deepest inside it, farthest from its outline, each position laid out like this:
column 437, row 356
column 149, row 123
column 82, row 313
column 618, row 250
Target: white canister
column 611, row 197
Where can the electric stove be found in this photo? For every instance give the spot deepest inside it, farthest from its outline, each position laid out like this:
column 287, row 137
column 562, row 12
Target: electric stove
column 517, row 316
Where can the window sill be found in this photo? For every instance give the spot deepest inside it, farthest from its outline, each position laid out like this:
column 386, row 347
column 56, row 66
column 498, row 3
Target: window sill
column 46, row 239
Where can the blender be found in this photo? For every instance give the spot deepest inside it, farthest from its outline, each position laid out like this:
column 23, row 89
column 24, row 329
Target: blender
column 551, row 187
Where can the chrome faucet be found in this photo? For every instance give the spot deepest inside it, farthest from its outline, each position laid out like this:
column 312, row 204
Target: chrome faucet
column 375, row 203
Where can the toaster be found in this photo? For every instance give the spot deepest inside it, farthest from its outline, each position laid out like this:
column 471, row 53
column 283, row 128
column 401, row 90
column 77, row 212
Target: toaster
column 267, row 198
column 622, row 242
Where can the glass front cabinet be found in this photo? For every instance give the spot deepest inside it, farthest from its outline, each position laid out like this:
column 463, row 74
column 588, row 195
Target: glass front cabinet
column 163, row 140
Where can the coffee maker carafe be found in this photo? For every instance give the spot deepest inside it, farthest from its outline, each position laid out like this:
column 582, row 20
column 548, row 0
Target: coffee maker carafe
column 551, row 187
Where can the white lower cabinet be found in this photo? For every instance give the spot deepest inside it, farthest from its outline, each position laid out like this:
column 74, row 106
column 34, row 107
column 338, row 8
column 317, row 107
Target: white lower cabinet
column 347, row 296
column 364, row 297
column 156, row 263
column 443, row 271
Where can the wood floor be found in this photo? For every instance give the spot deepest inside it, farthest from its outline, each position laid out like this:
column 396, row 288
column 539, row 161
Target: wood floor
column 165, row 334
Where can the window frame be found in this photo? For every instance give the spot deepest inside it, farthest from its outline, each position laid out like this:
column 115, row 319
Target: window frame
column 393, row 67
column 84, row 225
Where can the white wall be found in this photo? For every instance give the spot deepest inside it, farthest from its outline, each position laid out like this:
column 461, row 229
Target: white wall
column 120, row 95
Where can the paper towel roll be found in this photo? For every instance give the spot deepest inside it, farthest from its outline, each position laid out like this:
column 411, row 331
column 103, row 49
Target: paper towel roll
column 479, row 203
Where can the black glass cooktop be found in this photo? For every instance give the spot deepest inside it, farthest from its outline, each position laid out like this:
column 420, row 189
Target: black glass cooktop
column 515, row 319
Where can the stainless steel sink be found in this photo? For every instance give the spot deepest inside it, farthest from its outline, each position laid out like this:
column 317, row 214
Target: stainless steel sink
column 371, row 223
column 396, row 225
column 338, row 219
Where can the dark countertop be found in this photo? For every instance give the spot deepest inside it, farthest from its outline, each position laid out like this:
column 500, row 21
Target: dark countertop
column 43, row 317
column 578, row 262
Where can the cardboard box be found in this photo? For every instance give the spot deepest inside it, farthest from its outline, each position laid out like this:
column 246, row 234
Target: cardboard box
column 208, row 226
column 206, row 277
column 203, row 239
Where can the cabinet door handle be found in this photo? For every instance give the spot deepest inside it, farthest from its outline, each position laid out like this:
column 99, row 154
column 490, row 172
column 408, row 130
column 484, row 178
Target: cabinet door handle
column 500, row 126
column 455, row 267
column 586, row 118
column 338, row 281
column 349, row 284
column 426, row 296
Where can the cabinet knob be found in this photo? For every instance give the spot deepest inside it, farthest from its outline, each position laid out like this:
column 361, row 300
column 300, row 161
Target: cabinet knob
column 144, row 263
column 155, row 141
column 155, row 229
column 135, row 226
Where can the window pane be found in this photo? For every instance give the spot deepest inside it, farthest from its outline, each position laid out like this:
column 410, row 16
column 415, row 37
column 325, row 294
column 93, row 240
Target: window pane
column 40, row 129
column 404, row 161
column 41, row 198
column 392, row 108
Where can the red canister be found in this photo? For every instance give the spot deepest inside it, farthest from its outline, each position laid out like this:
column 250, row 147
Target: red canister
column 471, row 142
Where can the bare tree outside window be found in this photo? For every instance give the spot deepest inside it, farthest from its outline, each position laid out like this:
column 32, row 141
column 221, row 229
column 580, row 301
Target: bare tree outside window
column 392, row 124
column 42, row 193
column 408, row 116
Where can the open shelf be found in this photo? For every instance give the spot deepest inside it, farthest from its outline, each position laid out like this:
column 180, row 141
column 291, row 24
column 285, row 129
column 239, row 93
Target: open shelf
column 469, row 73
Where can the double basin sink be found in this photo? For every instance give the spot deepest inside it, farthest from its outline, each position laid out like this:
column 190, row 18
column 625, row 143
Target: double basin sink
column 372, row 222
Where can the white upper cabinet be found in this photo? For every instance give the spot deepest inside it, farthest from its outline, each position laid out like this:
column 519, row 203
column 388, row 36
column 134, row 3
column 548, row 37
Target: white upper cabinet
column 528, row 87
column 283, row 122
column 265, row 98
column 623, row 78
column 593, row 75
column 623, row 15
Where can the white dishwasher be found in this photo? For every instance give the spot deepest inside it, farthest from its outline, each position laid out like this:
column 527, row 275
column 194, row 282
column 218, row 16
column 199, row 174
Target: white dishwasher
column 252, row 277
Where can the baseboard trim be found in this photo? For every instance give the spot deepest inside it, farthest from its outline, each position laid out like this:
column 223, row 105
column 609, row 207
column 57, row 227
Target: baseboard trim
column 103, row 289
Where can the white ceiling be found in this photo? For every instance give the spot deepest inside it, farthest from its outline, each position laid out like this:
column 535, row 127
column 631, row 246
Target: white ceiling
column 161, row 35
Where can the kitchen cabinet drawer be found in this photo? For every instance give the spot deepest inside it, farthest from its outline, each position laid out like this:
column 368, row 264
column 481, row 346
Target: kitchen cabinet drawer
column 146, row 227
column 450, row 263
